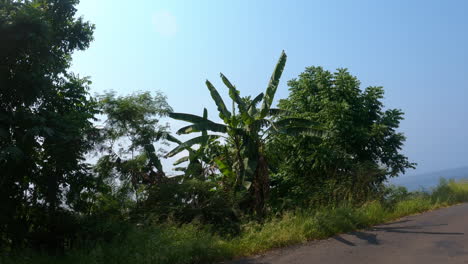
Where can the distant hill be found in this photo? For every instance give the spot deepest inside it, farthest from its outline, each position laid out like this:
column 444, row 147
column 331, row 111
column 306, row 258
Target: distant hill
column 429, row 180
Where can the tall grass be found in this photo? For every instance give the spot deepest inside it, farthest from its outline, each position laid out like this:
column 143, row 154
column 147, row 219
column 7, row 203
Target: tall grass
column 193, row 243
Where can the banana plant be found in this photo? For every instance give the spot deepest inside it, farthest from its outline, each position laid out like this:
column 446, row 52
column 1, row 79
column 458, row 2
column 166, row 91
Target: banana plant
column 196, row 158
column 247, row 131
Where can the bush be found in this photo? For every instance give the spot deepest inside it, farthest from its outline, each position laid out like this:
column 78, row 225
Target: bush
column 393, row 194
column 191, row 200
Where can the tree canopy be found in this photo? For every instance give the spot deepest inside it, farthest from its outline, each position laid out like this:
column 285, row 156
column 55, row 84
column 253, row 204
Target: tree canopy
column 360, row 142
column 45, row 116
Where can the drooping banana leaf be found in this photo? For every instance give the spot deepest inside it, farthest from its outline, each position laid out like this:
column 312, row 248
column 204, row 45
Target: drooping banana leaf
column 203, row 126
column 187, row 117
column 191, row 142
column 173, row 139
column 181, row 160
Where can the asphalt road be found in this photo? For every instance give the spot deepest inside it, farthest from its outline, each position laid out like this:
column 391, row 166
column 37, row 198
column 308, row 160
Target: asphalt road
column 440, row 236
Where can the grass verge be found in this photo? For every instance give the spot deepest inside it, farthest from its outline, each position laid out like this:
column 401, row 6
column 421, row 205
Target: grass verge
column 194, row 244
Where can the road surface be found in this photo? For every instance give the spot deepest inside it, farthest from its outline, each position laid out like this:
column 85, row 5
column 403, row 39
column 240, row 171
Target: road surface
column 440, row 236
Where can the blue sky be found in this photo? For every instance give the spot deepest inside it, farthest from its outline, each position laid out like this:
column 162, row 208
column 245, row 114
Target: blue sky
column 416, row 50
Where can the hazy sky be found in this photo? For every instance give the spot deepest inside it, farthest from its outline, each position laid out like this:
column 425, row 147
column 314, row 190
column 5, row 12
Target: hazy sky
column 416, row 50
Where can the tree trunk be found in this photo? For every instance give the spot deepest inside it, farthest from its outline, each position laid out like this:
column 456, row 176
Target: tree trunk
column 261, row 186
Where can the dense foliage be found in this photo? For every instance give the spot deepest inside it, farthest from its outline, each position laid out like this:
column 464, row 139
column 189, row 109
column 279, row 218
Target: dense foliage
column 78, row 171
column 127, row 143
column 359, row 150
column 45, row 121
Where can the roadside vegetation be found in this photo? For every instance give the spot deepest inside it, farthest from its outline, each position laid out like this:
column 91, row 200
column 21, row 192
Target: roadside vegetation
column 196, row 243
column 82, row 178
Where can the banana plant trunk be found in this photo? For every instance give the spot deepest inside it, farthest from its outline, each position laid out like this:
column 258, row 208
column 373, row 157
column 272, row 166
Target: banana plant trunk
column 261, row 186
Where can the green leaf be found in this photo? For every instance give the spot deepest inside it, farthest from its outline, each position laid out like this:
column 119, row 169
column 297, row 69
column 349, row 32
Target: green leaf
column 276, row 112
column 250, row 166
column 295, row 122
column 149, row 148
column 235, row 95
column 205, row 116
column 255, row 101
column 189, row 143
column 297, row 126
column 305, row 131
column 261, row 123
column 187, row 117
column 179, row 169
column 173, row 139
column 225, row 169
column 199, row 127
column 273, row 85
column 181, row 160
column 252, row 109
column 224, row 114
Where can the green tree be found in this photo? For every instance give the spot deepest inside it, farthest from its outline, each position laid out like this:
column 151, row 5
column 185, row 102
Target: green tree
column 45, row 119
column 360, row 149
column 131, row 128
column 246, row 132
